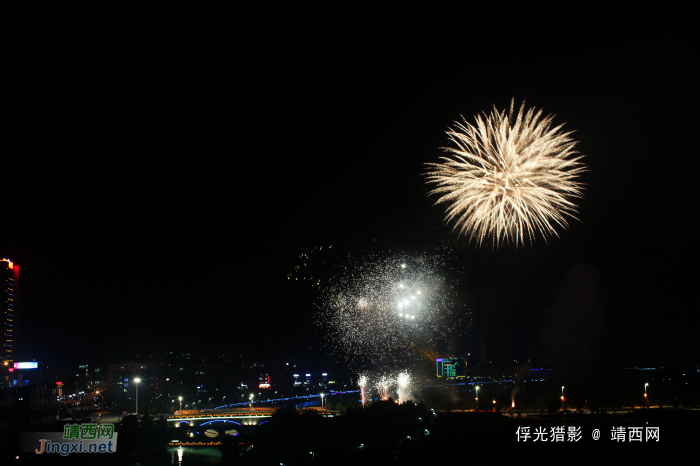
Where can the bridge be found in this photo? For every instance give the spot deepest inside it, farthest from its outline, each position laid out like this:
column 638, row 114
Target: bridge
column 231, row 417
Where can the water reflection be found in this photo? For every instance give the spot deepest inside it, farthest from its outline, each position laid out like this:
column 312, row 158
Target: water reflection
column 189, row 456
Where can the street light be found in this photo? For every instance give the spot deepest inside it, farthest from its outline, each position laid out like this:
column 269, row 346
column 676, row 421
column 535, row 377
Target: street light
column 251, row 401
column 477, row 398
column 180, row 398
column 321, row 400
column 645, row 394
column 136, row 381
column 562, row 398
column 313, row 456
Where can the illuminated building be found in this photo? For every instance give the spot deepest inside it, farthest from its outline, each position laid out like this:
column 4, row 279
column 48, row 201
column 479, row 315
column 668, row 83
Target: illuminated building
column 149, row 372
column 446, row 367
column 10, row 272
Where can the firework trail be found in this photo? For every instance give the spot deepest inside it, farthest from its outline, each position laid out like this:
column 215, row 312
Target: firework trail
column 383, row 307
column 362, row 383
column 403, row 380
column 509, row 177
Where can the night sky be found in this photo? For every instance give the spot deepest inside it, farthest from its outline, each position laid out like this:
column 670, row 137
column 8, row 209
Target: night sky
column 163, row 169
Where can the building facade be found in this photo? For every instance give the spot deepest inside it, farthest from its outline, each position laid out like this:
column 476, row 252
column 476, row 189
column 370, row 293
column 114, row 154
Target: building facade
column 446, row 368
column 10, row 279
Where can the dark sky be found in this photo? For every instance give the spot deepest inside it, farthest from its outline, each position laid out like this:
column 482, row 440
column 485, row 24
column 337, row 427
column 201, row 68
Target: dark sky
column 163, row 167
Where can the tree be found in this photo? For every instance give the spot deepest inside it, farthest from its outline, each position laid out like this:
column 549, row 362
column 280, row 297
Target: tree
column 129, row 422
column 285, row 414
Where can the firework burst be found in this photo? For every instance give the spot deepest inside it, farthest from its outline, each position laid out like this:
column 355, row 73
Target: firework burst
column 380, row 308
column 509, row 177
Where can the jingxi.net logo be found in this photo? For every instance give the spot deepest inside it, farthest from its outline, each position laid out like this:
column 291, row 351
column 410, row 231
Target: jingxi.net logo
column 76, row 438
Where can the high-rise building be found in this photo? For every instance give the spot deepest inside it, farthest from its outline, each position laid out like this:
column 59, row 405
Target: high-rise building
column 10, row 276
column 446, row 367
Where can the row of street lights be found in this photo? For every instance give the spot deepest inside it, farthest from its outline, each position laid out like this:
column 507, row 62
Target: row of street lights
column 137, row 380
column 250, row 398
column 477, row 398
column 562, row 397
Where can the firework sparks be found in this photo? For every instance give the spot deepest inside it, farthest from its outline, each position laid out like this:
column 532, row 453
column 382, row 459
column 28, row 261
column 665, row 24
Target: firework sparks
column 383, row 385
column 381, row 308
column 362, row 383
column 307, row 268
column 509, row 177
column 403, row 381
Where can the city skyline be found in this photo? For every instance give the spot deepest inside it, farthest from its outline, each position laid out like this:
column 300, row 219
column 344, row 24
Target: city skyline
column 256, row 233
column 155, row 211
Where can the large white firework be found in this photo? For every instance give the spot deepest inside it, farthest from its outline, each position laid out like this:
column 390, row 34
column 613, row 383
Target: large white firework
column 509, row 177
column 380, row 308
column 403, row 380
